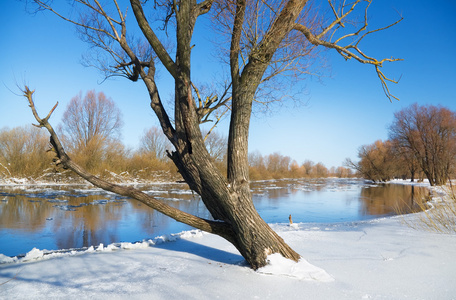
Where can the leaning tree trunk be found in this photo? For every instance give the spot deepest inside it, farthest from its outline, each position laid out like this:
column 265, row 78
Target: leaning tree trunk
column 227, row 199
column 233, row 205
column 255, row 240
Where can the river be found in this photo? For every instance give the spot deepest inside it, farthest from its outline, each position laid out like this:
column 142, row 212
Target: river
column 56, row 217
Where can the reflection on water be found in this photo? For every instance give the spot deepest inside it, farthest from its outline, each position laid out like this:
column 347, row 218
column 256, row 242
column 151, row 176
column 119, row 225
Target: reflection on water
column 390, row 198
column 75, row 217
column 65, row 217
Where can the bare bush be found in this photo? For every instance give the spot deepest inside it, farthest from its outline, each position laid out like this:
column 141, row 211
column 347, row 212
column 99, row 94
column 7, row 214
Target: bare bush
column 438, row 214
column 377, row 162
column 23, row 152
column 155, row 143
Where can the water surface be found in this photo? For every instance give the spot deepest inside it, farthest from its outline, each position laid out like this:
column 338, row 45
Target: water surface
column 65, row 217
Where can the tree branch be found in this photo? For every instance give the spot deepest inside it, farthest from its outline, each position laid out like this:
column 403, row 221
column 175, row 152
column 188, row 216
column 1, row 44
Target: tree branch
column 217, row 227
column 352, row 50
column 211, row 103
column 338, row 19
column 152, row 38
column 43, row 5
column 205, row 6
column 235, row 40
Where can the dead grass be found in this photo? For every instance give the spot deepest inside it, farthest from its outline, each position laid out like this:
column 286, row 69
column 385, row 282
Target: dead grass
column 439, row 213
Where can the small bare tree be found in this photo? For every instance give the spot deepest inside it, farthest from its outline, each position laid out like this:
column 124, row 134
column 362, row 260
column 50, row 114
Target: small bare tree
column 265, row 39
column 308, row 166
column 89, row 125
column 23, row 152
column 94, row 117
column 216, row 145
column 153, row 141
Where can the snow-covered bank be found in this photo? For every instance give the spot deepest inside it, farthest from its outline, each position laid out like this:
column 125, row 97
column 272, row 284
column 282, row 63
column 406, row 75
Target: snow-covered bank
column 379, row 259
column 69, row 178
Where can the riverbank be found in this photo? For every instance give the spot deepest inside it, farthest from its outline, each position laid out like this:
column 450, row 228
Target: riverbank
column 376, row 259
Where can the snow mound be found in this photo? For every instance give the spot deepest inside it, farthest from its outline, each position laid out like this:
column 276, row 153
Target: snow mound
column 37, row 254
column 34, row 254
column 6, row 259
column 302, row 270
column 294, row 225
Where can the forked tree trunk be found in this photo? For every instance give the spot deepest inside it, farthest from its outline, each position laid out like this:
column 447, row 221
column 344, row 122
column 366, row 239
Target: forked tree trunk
column 227, row 199
column 233, row 205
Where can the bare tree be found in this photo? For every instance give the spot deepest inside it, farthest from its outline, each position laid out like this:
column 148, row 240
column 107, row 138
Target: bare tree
column 155, row 142
column 405, row 159
column 342, row 172
column 256, row 55
column 94, row 117
column 377, row 161
column 320, row 170
column 89, row 125
column 429, row 132
column 308, row 166
column 216, row 145
column 278, row 164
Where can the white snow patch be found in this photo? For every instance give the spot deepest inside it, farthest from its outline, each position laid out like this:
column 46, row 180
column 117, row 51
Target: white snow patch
column 138, row 245
column 6, row 259
column 100, row 247
column 37, row 254
column 294, row 225
column 302, row 270
column 182, row 192
column 34, row 254
column 191, row 234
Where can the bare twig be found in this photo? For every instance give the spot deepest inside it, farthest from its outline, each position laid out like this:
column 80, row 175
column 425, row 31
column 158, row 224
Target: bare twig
column 12, row 278
column 45, row 6
column 6, row 169
column 212, row 103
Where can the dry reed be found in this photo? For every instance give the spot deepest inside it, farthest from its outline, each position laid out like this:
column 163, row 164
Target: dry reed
column 438, row 214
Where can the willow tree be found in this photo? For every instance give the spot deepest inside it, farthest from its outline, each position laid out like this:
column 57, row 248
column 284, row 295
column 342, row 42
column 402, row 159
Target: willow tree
column 266, row 39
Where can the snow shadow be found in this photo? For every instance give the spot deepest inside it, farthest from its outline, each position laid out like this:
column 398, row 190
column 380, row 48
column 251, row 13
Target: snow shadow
column 203, row 251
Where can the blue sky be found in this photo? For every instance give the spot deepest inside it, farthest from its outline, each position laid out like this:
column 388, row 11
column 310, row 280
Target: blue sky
column 336, row 115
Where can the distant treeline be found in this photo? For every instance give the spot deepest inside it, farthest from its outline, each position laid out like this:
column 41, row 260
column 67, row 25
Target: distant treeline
column 25, row 153
column 421, row 144
column 90, row 132
column 275, row 166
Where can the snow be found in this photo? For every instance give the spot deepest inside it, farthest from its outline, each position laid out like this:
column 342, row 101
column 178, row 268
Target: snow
column 376, row 259
column 278, row 265
column 34, row 254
